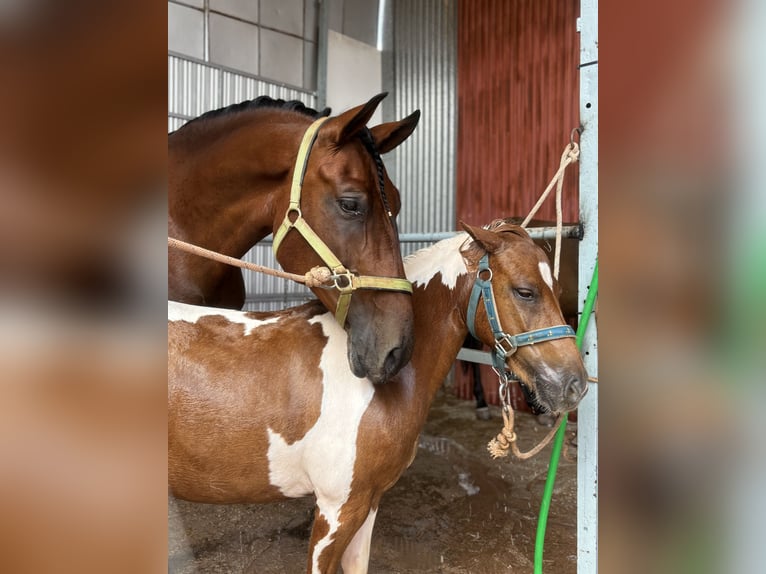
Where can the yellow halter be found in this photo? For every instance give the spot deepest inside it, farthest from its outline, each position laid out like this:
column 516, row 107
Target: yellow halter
column 343, row 280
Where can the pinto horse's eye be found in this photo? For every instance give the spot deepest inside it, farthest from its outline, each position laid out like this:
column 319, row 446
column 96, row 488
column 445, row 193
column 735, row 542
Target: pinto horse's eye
column 526, row 294
column 350, row 207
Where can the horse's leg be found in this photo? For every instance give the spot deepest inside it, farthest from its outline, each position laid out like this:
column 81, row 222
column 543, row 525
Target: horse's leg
column 332, row 532
column 482, row 409
column 356, row 558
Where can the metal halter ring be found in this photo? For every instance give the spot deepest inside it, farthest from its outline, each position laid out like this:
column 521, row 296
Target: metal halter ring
column 343, row 282
column 293, row 209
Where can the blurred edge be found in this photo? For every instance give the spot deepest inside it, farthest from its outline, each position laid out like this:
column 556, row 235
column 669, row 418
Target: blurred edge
column 82, row 286
column 681, row 307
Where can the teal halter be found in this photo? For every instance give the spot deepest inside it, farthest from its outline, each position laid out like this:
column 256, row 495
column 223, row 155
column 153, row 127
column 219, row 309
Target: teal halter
column 505, row 344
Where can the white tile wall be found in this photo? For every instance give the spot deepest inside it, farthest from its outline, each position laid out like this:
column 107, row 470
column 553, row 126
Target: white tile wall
column 274, row 39
column 284, row 15
column 244, row 9
column 234, row 43
column 194, row 3
column 185, row 27
column 281, row 57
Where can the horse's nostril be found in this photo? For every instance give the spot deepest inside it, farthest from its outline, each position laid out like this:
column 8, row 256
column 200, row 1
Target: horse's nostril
column 574, row 389
column 392, row 363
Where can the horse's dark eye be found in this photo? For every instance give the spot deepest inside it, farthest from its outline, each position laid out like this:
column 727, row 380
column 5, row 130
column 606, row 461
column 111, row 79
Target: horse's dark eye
column 526, row 294
column 350, row 206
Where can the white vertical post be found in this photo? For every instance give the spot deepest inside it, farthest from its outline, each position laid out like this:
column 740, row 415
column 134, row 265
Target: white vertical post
column 587, row 417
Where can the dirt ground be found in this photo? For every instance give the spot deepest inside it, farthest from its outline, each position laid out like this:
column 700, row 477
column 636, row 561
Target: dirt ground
column 455, row 511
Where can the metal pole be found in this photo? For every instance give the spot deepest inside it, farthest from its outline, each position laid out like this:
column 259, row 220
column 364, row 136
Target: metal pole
column 568, row 232
column 206, row 30
column 324, row 22
column 587, row 417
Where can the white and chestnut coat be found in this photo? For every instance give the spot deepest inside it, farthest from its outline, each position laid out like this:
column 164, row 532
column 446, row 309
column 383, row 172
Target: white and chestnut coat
column 263, row 406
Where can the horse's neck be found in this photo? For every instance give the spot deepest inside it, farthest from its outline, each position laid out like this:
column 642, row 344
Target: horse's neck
column 440, row 309
column 224, row 187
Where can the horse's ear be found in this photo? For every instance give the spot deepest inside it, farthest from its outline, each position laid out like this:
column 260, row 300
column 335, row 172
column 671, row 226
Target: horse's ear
column 349, row 123
column 388, row 136
column 489, row 240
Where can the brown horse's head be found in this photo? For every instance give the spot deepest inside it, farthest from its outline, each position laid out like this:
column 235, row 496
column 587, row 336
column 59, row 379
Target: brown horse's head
column 350, row 203
column 526, row 296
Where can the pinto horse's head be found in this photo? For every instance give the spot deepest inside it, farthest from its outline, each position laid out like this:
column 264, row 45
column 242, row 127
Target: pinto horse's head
column 526, row 299
column 351, row 204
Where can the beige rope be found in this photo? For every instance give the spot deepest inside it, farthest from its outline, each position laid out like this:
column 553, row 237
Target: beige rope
column 506, row 439
column 571, row 155
column 317, row 277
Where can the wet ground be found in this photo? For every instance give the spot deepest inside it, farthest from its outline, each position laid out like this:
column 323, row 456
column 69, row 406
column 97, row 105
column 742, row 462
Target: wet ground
column 455, row 511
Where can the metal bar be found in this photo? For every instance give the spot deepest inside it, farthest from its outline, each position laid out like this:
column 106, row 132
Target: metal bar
column 475, row 356
column 324, row 23
column 587, row 417
column 180, row 116
column 568, row 232
column 301, row 297
column 206, row 30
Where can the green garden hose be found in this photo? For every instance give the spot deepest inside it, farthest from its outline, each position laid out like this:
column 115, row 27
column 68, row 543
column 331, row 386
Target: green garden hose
column 559, row 439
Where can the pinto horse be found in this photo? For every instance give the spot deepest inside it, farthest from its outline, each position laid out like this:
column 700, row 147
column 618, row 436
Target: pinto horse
column 240, row 173
column 239, row 432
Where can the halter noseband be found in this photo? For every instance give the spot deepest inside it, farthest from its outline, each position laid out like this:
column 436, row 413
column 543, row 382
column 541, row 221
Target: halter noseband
column 505, row 344
column 344, row 280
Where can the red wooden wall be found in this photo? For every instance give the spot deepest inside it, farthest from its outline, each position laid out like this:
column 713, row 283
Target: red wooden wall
column 518, row 95
column 517, row 104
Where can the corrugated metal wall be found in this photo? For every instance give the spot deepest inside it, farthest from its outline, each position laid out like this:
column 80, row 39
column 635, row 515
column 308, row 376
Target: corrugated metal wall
column 424, row 77
column 195, row 87
column 517, row 104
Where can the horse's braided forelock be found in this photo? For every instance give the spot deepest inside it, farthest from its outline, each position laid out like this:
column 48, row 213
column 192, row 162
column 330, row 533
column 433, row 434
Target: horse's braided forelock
column 369, row 144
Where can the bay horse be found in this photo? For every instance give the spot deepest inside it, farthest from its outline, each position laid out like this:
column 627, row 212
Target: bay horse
column 307, row 425
column 319, row 184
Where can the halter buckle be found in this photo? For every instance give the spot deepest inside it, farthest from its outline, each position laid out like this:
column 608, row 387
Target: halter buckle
column 505, row 346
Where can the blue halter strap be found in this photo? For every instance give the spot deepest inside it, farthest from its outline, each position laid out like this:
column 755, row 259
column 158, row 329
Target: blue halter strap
column 505, row 344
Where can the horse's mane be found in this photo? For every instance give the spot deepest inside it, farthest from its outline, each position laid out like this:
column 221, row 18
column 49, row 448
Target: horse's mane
column 260, row 102
column 508, row 225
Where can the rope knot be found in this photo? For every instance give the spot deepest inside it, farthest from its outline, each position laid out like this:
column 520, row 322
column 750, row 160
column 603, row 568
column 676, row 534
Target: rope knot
column 573, row 152
column 318, row 277
column 498, row 446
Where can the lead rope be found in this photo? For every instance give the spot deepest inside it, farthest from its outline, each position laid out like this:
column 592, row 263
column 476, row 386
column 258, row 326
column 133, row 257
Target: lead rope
column 316, row 277
column 506, row 439
column 571, row 155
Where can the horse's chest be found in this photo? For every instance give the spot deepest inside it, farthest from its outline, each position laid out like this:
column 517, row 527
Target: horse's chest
column 323, row 459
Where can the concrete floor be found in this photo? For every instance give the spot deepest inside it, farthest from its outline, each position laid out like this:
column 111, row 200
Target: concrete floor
column 455, row 510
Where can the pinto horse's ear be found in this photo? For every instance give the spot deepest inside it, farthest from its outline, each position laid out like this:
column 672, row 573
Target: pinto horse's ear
column 489, row 240
column 388, row 136
column 349, row 123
